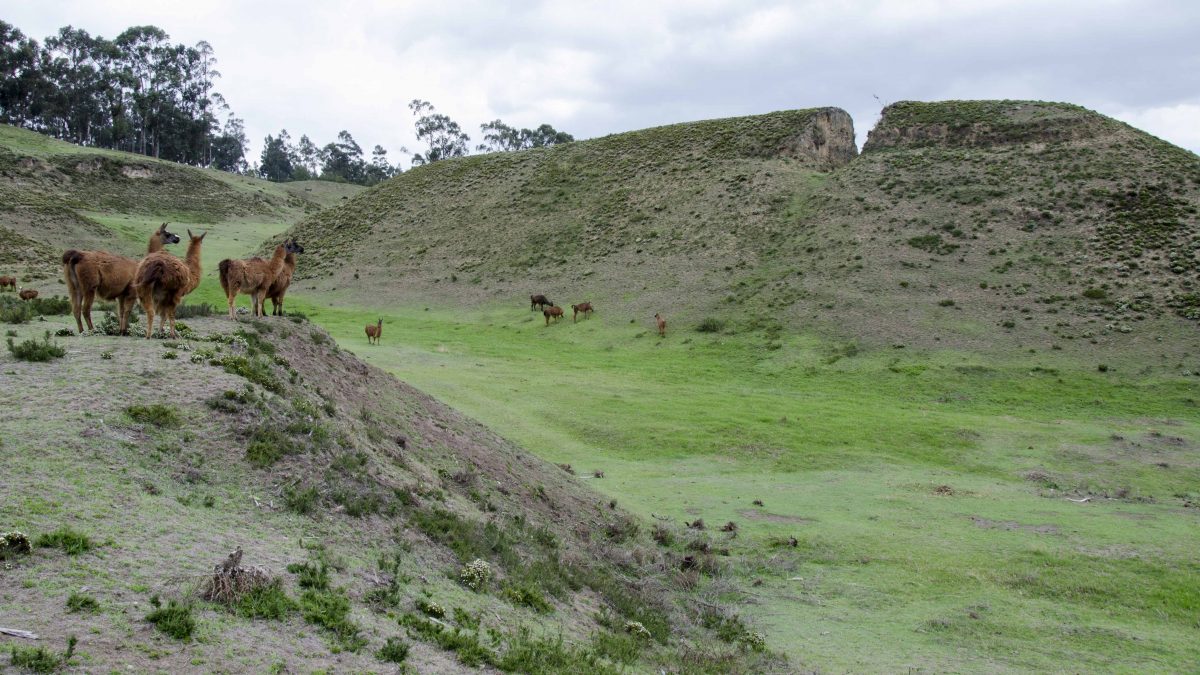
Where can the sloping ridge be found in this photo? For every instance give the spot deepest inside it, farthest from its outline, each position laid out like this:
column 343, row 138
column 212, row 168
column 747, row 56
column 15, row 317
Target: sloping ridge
column 1003, row 223
column 274, row 440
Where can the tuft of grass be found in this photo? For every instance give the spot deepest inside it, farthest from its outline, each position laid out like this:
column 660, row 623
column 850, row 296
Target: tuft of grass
column 528, row 596
column 36, row 351
column 70, row 541
column 711, row 325
column 267, row 601
column 302, row 500
column 395, row 650
column 156, row 414
column 330, row 609
column 470, row 651
column 527, row 653
column 311, row 575
column 174, row 620
column 79, row 602
column 40, row 659
column 187, row 311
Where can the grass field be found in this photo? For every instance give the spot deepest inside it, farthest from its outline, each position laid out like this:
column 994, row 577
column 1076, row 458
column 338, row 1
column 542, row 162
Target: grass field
column 927, row 492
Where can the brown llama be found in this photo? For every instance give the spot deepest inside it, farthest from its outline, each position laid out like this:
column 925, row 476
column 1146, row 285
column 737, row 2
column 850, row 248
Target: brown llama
column 252, row 277
column 9, row 283
column 584, row 308
column 539, row 301
column 27, row 294
column 662, row 325
column 552, row 312
column 162, row 280
column 91, row 273
column 279, row 287
column 373, row 332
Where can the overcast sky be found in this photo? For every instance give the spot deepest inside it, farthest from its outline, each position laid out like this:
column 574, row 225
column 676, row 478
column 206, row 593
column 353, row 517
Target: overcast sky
column 593, row 68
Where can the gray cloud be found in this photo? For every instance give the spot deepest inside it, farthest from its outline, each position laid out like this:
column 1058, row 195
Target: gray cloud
column 598, row 68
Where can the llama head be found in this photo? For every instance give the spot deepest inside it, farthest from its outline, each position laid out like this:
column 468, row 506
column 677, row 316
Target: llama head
column 167, row 237
column 195, row 239
column 293, row 246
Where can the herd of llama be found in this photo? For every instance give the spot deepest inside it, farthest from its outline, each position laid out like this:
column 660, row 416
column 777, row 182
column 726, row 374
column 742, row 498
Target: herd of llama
column 160, row 280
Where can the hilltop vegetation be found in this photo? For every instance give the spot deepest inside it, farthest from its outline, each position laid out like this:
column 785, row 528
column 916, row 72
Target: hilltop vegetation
column 975, row 224
column 55, row 195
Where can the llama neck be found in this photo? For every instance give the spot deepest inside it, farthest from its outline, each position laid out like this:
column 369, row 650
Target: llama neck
column 156, row 243
column 277, row 261
column 289, row 262
column 193, row 260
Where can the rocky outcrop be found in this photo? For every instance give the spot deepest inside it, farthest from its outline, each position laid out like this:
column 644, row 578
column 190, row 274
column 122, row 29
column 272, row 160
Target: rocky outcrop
column 982, row 124
column 827, row 139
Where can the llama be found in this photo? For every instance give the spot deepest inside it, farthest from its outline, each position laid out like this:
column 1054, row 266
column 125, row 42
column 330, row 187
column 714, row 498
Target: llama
column 373, row 332
column 662, row 325
column 162, row 280
column 253, row 277
column 91, row 273
column 279, row 287
column 584, row 308
column 539, row 301
column 9, row 283
column 27, row 294
column 552, row 312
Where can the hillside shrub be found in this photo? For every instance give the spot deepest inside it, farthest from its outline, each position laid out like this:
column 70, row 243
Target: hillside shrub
column 80, row 602
column 186, row 311
column 15, row 312
column 174, row 620
column 710, row 325
column 394, row 650
column 266, row 601
column 156, row 414
column 14, row 543
column 36, row 351
column 40, row 659
column 311, row 575
column 330, row 609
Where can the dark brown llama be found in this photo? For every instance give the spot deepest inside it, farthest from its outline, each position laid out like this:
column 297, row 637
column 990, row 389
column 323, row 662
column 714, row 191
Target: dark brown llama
column 252, row 277
column 374, row 332
column 539, row 301
column 279, row 287
column 91, row 273
column 584, row 308
column 9, row 283
column 662, row 325
column 162, row 280
column 27, row 294
column 552, row 312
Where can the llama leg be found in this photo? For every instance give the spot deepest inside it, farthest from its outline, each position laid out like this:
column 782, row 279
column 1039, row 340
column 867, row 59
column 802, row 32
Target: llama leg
column 123, row 309
column 230, row 295
column 172, row 313
column 148, row 305
column 86, row 310
column 76, row 309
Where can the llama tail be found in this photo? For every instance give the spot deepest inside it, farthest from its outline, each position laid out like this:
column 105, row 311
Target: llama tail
column 70, row 259
column 223, row 268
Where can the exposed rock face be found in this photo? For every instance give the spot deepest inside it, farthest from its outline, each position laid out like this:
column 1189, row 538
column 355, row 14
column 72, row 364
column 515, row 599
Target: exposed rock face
column 981, row 123
column 828, row 138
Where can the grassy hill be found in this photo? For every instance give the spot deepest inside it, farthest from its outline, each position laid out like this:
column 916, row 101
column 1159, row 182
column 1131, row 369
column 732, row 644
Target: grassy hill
column 982, row 225
column 134, row 467
column 55, row 195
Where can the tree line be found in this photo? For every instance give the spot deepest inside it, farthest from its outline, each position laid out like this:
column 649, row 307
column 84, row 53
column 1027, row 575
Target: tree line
column 142, row 93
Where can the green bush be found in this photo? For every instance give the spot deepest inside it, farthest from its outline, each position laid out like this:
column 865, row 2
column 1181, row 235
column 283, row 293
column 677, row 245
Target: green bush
column 268, row 445
column 528, row 596
column 33, row 350
column 547, row 655
column 470, row 652
column 15, row 312
column 175, row 619
column 394, row 651
column 70, row 541
column 186, row 311
column 157, row 414
column 330, row 609
column 711, row 325
column 13, row 544
column 300, row 500
column 1095, row 293
column 41, row 660
column 53, row 306
column 267, row 601
column 78, row 602
column 311, row 575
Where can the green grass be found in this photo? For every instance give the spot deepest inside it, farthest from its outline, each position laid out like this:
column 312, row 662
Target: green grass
column 846, row 455
column 174, row 620
column 67, row 539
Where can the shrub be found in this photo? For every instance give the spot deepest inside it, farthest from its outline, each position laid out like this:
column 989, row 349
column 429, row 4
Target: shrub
column 617, row 647
column 546, row 655
column 70, row 541
column 300, row 500
column 470, row 652
column 175, row 619
column 268, row 445
column 476, row 574
column 15, row 312
column 255, row 370
column 331, row 610
column 311, row 575
column 170, row 355
column 52, row 306
column 110, row 325
column 13, row 544
column 41, row 660
column 524, row 594
column 265, row 601
column 33, row 350
column 1095, row 293
column 157, row 414
column 78, row 602
column 64, row 332
column 394, row 650
column 430, row 608
column 710, row 325
column 636, row 629
column 946, row 303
